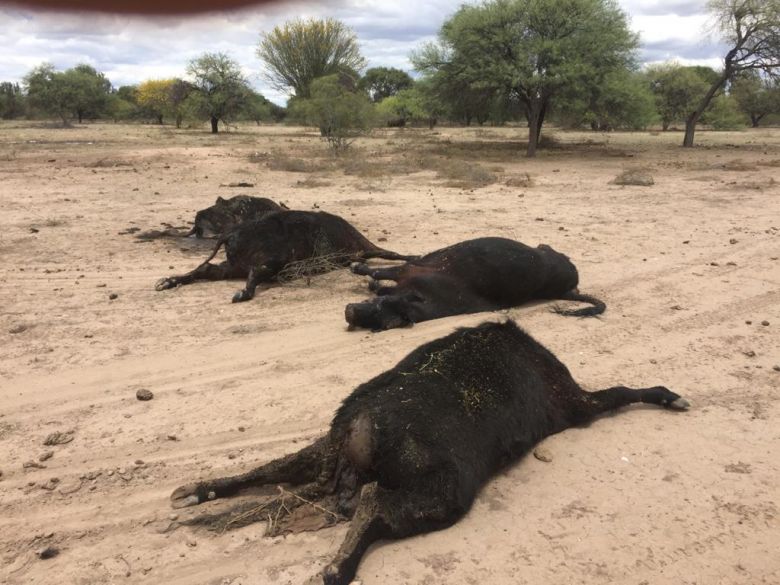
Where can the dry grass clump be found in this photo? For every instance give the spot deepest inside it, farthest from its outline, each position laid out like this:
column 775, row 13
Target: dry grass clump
column 311, row 183
column 108, row 163
column 759, row 184
column 639, row 177
column 291, row 164
column 519, row 180
column 464, row 175
column 306, row 269
column 737, row 165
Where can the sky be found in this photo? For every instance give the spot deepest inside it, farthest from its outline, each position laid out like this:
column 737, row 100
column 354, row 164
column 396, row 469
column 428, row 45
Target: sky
column 131, row 49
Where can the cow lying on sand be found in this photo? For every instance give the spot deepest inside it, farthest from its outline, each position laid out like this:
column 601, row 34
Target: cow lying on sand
column 408, row 451
column 485, row 274
column 226, row 214
column 259, row 250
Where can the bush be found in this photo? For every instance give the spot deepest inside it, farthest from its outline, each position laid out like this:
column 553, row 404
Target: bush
column 341, row 113
column 724, row 114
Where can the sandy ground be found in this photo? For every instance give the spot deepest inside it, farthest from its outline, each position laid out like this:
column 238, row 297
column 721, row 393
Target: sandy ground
column 688, row 267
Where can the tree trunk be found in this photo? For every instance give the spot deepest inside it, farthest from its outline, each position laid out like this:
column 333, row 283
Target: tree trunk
column 534, row 114
column 214, row 125
column 755, row 119
column 540, row 121
column 178, row 120
column 665, row 125
column 159, row 119
column 80, row 114
column 693, row 118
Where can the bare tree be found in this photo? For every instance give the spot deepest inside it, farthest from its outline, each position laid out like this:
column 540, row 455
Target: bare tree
column 752, row 29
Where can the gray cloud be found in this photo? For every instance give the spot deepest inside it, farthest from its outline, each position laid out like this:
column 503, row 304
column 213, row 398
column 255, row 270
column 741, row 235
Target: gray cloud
column 131, row 49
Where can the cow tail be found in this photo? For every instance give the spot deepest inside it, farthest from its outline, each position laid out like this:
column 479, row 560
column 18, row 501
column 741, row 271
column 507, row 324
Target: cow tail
column 597, row 309
column 221, row 240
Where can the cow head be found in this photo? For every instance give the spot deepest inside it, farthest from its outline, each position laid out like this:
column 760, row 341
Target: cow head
column 386, row 312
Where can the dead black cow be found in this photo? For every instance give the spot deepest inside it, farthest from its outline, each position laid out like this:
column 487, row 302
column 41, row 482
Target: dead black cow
column 226, row 214
column 485, row 274
column 408, row 451
column 259, row 250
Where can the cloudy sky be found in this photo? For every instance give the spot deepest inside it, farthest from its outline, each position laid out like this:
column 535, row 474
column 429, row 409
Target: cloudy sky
column 130, row 49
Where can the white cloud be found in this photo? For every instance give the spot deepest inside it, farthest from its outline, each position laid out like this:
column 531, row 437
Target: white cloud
column 131, row 49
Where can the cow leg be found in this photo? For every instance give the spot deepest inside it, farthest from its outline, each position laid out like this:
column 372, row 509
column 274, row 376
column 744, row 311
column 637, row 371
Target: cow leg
column 386, row 255
column 594, row 404
column 376, row 287
column 256, row 276
column 271, row 509
column 378, row 273
column 305, row 466
column 206, row 271
column 383, row 514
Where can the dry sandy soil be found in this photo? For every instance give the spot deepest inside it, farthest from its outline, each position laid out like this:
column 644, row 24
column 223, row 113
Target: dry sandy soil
column 688, row 267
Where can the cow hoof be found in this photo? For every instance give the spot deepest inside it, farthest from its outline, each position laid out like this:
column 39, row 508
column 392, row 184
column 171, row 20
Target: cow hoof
column 331, row 576
column 185, row 496
column 164, row 284
column 680, row 404
column 358, row 268
column 241, row 296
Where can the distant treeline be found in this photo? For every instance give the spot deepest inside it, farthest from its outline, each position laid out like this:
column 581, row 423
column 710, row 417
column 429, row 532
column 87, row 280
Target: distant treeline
column 572, row 63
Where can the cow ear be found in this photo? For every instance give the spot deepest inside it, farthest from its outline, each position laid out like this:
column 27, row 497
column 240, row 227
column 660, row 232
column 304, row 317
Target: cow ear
column 219, row 200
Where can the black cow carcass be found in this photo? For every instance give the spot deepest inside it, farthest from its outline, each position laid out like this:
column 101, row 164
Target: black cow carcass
column 484, row 274
column 226, row 214
column 259, row 250
column 408, row 451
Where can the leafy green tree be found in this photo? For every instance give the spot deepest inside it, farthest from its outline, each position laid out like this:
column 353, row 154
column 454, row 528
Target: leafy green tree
column 383, row 82
column 336, row 107
column 400, row 108
column 724, row 114
column 751, row 28
column 47, row 92
column 81, row 91
column 257, row 107
column 531, row 49
column 118, row 108
column 89, row 90
column 300, row 51
column 220, row 89
column 677, row 90
column 12, row 104
column 622, row 100
column 756, row 96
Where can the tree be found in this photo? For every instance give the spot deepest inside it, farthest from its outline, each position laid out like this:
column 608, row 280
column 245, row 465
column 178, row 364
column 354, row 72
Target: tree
column 220, row 89
column 81, row 91
column 337, row 109
column 382, row 82
column 300, row 51
column 530, row 49
column 723, row 114
column 46, row 91
column 622, row 99
column 178, row 92
column 752, row 29
column 89, row 90
column 154, row 96
column 756, row 96
column 11, row 100
column 257, row 107
column 677, row 90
